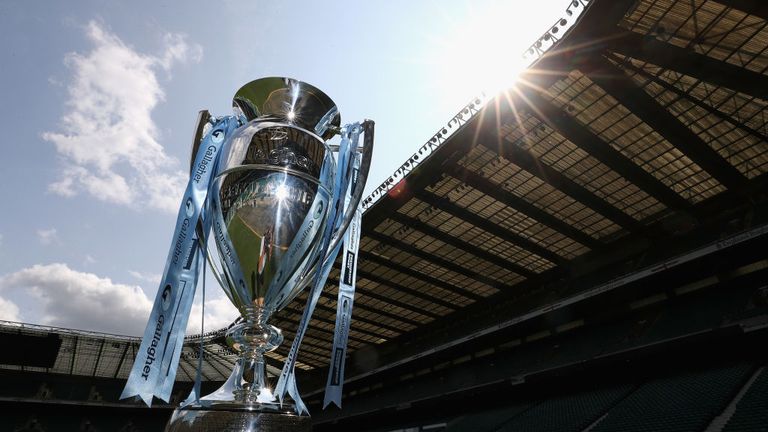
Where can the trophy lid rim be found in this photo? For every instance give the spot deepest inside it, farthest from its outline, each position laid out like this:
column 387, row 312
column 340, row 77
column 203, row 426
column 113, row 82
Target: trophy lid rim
column 252, row 98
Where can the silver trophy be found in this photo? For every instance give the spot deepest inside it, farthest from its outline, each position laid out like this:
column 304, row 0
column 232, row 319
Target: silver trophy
column 271, row 214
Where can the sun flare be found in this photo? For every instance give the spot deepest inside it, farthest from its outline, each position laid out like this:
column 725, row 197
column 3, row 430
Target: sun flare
column 484, row 52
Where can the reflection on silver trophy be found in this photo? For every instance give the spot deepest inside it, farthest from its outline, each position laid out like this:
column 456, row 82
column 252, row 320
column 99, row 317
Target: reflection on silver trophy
column 277, row 199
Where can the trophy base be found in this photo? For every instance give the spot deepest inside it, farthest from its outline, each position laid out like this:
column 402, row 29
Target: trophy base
column 232, row 417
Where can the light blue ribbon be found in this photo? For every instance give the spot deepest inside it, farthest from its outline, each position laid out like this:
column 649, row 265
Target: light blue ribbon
column 345, row 302
column 287, row 381
column 345, row 299
column 154, row 370
column 300, row 252
column 194, row 395
column 288, row 376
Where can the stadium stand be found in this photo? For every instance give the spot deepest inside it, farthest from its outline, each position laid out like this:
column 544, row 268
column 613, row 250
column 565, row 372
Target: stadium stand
column 566, row 413
column 489, row 420
column 751, row 413
column 685, row 402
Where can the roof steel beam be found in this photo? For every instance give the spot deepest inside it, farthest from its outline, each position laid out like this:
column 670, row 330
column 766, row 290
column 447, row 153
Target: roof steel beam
column 584, row 138
column 386, row 282
column 462, row 213
column 385, row 299
column 330, row 332
column 370, row 321
column 359, row 319
column 753, row 7
column 527, row 161
column 417, row 275
column 333, row 323
column 460, row 335
column 685, row 95
column 182, row 362
column 299, row 312
column 482, row 184
column 194, row 365
column 442, row 262
column 619, row 86
column 380, row 311
column 416, row 180
column 431, row 231
column 310, row 341
column 98, row 357
column 689, row 62
column 404, row 289
column 74, row 354
column 282, row 350
column 122, row 359
column 314, row 363
column 213, row 356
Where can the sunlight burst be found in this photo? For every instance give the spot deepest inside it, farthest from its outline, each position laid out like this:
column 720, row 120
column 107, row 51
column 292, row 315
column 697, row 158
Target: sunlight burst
column 484, row 53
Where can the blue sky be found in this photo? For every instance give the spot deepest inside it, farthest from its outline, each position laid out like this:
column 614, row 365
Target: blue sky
column 99, row 101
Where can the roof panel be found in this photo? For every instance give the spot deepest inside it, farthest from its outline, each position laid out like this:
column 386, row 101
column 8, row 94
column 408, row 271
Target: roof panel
column 707, row 27
column 401, row 296
column 110, row 358
column 477, row 237
column 745, row 151
column 625, row 132
column 514, row 179
column 556, row 151
column 417, row 284
column 507, row 217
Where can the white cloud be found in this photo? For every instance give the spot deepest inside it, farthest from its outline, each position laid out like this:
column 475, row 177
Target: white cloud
column 88, row 260
column 177, row 50
column 73, row 299
column 108, row 140
column 9, row 311
column 80, row 300
column 219, row 313
column 47, row 236
column 152, row 278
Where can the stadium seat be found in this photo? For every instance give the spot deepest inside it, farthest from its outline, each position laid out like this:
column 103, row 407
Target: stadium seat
column 569, row 413
column 752, row 410
column 679, row 403
column 484, row 421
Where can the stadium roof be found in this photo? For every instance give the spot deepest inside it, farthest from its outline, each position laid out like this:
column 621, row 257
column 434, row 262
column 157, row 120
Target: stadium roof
column 645, row 122
column 78, row 352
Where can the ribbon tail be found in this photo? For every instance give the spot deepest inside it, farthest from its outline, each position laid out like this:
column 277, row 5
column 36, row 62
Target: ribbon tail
column 146, row 397
column 179, row 328
column 193, row 397
column 293, row 391
column 332, row 396
column 280, row 393
column 225, row 391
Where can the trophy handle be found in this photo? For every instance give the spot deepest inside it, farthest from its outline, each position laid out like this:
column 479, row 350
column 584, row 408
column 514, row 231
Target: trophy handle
column 203, row 120
column 357, row 192
column 354, row 202
column 203, row 117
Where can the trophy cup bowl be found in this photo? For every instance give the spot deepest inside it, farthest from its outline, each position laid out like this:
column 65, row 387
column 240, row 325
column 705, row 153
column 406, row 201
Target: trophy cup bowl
column 269, row 207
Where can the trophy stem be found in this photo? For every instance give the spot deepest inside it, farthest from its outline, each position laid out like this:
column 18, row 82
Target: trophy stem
column 253, row 337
